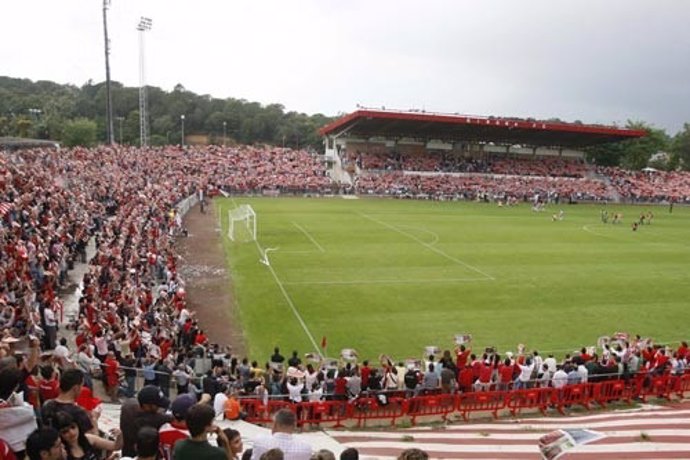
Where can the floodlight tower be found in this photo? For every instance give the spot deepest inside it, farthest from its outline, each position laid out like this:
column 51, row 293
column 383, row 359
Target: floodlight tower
column 144, row 25
column 108, row 95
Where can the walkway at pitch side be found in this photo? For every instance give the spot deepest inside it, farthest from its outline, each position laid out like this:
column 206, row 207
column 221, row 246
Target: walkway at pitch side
column 647, row 432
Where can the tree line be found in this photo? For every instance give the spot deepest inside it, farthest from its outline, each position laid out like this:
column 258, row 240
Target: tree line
column 657, row 149
column 76, row 116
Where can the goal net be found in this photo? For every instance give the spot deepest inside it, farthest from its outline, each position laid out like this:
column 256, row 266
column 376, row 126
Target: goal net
column 242, row 223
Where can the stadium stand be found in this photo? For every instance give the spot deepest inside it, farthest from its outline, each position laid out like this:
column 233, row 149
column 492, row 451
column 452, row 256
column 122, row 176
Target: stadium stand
column 133, row 319
column 650, row 186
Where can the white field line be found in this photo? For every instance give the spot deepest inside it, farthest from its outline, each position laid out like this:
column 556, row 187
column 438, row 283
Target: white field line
column 285, row 294
column 429, row 246
column 288, row 299
column 434, row 235
column 308, row 235
column 391, row 281
column 589, row 230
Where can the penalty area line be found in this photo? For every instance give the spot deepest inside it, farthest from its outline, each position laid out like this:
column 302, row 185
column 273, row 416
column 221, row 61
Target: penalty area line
column 590, row 231
column 428, row 246
column 291, row 304
column 308, row 235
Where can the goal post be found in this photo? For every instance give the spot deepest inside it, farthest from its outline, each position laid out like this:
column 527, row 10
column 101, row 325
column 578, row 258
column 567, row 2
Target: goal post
column 242, row 223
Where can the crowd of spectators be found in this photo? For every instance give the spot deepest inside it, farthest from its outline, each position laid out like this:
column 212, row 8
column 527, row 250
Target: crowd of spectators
column 539, row 166
column 499, row 177
column 380, row 172
column 495, row 188
column 650, row 185
column 492, row 177
column 132, row 316
column 252, row 169
column 133, row 320
column 453, row 162
column 461, row 370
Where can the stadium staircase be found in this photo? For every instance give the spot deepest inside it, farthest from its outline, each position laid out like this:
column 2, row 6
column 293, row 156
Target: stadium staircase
column 339, row 173
column 593, row 175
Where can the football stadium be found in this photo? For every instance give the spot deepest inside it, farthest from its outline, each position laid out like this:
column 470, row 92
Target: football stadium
column 188, row 276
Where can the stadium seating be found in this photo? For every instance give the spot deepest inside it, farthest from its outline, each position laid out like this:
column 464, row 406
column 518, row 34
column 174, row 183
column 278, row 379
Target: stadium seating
column 649, row 186
column 52, row 202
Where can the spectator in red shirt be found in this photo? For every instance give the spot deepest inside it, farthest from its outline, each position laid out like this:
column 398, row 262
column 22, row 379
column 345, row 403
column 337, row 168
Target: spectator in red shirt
column 462, row 355
column 112, row 376
column 200, row 338
column 340, row 391
column 483, row 382
column 660, row 362
column 365, row 372
column 465, row 379
column 505, row 375
column 176, row 429
column 584, row 355
column 32, row 389
column 49, row 387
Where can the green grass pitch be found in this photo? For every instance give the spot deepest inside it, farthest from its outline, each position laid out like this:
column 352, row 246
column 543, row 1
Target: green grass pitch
column 393, row 276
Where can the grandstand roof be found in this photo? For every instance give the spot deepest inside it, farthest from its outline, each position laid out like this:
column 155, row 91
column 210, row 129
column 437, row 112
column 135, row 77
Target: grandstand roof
column 452, row 128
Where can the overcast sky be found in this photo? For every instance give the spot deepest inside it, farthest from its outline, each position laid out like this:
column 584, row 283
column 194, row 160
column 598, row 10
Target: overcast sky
column 599, row 61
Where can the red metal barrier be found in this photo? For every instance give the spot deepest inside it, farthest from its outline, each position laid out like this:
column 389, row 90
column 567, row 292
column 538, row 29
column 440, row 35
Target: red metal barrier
column 259, row 413
column 318, row 412
column 656, row 386
column 535, row 398
column 612, row 390
column 421, row 406
column 682, row 385
column 571, row 395
column 371, row 409
column 481, row 401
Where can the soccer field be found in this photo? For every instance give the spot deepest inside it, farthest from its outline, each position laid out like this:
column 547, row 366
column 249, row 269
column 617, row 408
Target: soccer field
column 392, row 276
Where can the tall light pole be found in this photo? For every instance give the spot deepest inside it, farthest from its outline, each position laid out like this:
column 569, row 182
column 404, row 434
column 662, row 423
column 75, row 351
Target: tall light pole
column 182, row 123
column 108, row 95
column 144, row 25
column 225, row 126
